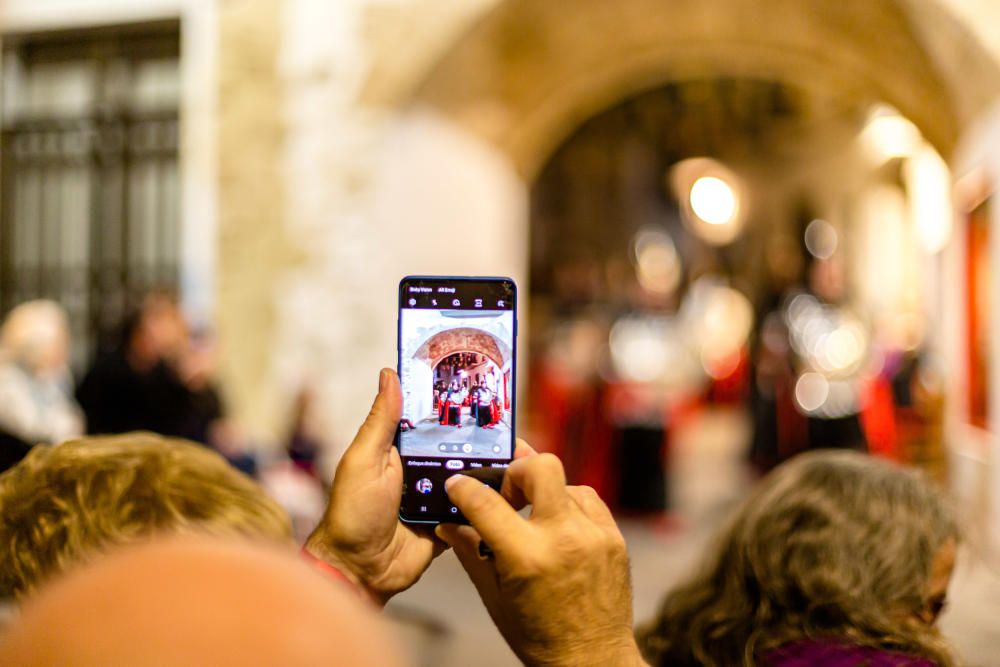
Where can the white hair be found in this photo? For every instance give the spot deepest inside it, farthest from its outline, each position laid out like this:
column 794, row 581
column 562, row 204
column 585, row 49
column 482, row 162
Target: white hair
column 31, row 330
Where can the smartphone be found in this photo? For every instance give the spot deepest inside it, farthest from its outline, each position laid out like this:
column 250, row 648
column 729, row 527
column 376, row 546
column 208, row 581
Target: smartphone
column 458, row 370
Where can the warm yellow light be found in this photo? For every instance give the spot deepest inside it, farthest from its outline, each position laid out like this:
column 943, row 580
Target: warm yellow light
column 658, row 268
column 843, row 348
column 928, row 182
column 889, row 135
column 713, row 200
column 719, row 320
column 641, row 348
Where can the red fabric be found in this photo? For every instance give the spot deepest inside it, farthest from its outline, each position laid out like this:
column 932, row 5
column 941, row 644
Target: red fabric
column 590, row 453
column 976, row 263
column 550, row 408
column 732, row 389
column 878, row 418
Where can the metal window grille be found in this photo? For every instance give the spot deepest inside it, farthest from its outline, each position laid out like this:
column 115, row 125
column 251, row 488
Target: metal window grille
column 89, row 192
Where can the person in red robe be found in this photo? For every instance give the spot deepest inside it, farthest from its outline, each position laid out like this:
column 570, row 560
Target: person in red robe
column 452, row 409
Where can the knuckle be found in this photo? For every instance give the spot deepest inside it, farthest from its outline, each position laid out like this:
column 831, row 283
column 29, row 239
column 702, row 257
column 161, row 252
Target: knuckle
column 616, row 540
column 548, row 463
column 587, row 493
column 575, row 548
column 596, row 538
column 548, row 459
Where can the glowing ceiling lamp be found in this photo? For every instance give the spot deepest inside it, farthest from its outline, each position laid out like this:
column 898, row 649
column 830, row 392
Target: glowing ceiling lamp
column 711, row 199
column 888, row 134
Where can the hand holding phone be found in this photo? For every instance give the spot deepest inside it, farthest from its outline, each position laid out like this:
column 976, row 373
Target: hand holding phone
column 557, row 584
column 360, row 533
column 457, row 366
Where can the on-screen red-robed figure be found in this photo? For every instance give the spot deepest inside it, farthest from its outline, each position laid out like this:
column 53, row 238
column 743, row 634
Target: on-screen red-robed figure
column 450, row 409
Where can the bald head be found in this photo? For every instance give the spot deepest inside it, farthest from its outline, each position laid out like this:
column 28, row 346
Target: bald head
column 186, row 601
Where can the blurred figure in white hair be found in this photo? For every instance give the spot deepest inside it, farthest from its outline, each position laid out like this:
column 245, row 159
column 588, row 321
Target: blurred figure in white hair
column 36, row 389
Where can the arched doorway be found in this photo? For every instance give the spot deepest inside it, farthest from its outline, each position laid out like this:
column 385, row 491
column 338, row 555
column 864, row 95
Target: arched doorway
column 676, row 317
column 469, row 357
column 528, row 75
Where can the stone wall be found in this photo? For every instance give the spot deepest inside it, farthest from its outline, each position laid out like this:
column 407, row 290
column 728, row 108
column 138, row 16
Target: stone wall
column 329, row 199
column 254, row 241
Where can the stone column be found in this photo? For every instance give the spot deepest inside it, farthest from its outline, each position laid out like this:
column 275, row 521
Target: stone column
column 253, row 245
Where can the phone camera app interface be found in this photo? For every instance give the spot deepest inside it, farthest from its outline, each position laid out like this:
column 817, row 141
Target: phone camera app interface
column 456, row 367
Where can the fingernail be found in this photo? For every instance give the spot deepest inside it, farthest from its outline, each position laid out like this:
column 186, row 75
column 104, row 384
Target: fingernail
column 451, row 481
column 383, row 378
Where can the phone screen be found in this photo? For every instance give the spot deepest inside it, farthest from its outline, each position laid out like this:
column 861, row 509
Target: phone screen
column 457, row 367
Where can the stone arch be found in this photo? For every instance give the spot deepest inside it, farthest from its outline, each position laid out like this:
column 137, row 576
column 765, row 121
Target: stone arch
column 528, row 72
column 451, row 341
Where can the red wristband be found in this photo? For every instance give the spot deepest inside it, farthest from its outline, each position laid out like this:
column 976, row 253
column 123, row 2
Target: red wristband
column 326, row 568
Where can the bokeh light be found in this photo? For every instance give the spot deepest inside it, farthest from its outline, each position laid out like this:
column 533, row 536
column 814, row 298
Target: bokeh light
column 718, row 320
column 811, row 391
column 889, row 135
column 821, row 239
column 640, row 348
column 657, row 265
column 713, row 200
column 711, row 197
column 831, row 340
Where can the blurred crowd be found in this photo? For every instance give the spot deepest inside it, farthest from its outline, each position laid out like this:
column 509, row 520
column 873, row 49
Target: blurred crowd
column 155, row 374
column 617, row 376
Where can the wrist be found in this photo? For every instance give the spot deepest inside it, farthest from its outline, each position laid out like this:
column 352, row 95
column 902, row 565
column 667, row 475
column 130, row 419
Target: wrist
column 620, row 652
column 318, row 548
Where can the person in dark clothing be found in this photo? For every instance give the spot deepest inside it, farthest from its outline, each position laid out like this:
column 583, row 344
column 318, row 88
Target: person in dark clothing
column 12, row 450
column 138, row 386
column 118, row 397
